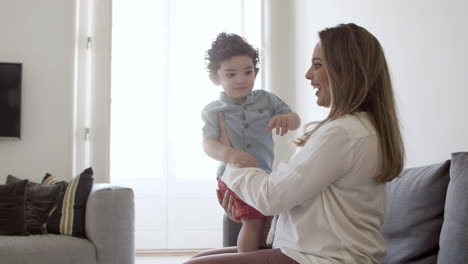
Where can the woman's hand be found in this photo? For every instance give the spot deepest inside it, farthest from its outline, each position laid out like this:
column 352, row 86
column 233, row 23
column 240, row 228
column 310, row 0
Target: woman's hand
column 227, row 202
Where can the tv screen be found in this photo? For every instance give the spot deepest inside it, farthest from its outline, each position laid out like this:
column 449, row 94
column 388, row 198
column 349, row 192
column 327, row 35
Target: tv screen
column 10, row 100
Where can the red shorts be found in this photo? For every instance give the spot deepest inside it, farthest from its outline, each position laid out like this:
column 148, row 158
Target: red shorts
column 243, row 210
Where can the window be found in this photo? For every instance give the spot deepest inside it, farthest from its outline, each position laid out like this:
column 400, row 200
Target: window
column 159, row 86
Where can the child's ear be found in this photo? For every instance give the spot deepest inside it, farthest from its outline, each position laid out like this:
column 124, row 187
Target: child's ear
column 214, row 78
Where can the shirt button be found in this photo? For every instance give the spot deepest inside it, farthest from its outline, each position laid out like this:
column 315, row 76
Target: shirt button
column 248, row 145
column 246, row 125
column 260, row 111
column 244, row 107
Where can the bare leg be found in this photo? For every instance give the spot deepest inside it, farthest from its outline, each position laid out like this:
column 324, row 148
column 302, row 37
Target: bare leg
column 250, row 234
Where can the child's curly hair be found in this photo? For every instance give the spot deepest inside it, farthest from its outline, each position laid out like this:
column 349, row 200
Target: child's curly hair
column 227, row 46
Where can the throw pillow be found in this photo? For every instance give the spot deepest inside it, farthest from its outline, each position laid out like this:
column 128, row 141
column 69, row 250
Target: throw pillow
column 68, row 218
column 414, row 214
column 12, row 204
column 39, row 202
column 454, row 233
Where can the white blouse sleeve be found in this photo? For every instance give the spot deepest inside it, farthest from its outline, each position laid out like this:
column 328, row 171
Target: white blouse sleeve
column 325, row 158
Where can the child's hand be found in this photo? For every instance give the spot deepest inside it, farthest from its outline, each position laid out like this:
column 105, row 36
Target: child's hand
column 223, row 135
column 240, row 159
column 281, row 123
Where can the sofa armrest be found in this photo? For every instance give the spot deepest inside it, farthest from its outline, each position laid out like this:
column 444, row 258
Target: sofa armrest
column 110, row 223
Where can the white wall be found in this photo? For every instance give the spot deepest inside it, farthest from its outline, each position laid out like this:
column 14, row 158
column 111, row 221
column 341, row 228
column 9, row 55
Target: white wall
column 40, row 34
column 425, row 42
column 279, row 64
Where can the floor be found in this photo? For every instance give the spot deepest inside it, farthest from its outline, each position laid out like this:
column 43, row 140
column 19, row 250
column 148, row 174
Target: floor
column 162, row 258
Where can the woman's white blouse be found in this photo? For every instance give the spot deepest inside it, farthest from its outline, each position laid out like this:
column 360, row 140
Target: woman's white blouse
column 330, row 209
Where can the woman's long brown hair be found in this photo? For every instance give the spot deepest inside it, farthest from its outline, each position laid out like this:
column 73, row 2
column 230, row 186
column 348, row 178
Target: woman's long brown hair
column 360, row 81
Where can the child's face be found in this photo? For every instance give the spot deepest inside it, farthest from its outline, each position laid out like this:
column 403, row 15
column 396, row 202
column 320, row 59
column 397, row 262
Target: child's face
column 237, row 77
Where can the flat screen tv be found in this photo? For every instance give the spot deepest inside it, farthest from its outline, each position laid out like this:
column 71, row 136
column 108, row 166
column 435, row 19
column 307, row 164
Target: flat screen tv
column 10, row 100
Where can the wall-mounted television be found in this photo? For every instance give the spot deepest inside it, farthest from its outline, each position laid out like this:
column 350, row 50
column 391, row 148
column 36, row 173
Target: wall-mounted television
column 10, row 100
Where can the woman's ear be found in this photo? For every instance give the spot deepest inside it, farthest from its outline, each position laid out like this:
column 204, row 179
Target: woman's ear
column 214, row 78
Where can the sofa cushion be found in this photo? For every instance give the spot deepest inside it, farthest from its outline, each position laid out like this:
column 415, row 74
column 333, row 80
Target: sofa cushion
column 414, row 214
column 47, row 249
column 68, row 218
column 12, row 205
column 454, row 233
column 39, row 202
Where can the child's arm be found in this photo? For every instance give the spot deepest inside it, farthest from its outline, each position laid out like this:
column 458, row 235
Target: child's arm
column 284, row 123
column 222, row 152
column 221, row 149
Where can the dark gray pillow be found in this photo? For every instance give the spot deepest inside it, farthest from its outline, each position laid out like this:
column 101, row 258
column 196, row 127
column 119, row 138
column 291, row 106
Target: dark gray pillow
column 39, row 202
column 12, row 204
column 454, row 234
column 414, row 214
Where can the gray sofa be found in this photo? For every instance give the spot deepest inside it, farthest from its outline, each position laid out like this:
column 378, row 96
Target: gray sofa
column 110, row 235
column 426, row 220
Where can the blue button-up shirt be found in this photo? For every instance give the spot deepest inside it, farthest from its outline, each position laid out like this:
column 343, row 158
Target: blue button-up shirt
column 246, row 124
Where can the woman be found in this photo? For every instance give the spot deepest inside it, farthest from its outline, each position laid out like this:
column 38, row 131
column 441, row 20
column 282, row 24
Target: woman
column 329, row 199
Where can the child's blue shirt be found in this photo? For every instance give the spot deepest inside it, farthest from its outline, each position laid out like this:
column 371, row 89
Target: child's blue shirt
column 246, row 124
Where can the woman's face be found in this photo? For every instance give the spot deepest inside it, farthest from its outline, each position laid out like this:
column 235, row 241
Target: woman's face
column 318, row 77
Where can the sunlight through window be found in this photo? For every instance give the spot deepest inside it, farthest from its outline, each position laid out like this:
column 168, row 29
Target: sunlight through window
column 159, row 86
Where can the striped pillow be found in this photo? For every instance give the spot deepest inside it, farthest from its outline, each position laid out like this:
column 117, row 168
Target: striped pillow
column 68, row 216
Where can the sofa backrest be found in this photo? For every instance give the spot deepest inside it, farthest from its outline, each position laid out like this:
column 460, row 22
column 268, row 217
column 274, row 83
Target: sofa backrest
column 426, row 218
